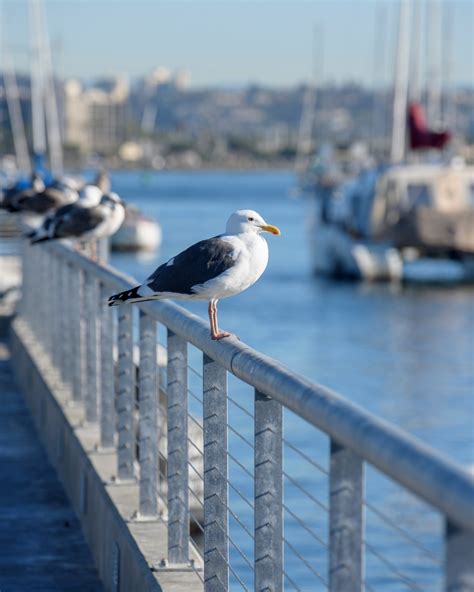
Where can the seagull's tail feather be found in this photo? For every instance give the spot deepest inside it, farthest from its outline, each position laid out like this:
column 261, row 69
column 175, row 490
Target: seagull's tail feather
column 132, row 295
column 38, row 238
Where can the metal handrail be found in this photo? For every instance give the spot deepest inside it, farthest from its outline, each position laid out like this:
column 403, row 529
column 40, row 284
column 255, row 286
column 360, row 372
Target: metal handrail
column 428, row 473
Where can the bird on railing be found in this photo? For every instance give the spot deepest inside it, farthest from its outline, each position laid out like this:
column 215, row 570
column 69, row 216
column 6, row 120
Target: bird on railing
column 21, row 192
column 91, row 218
column 211, row 269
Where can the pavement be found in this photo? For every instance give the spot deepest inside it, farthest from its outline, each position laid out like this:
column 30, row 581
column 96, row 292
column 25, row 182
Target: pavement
column 42, row 548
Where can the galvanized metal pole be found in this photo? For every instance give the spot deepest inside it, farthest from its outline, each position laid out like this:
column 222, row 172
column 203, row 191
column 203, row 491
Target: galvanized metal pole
column 268, row 494
column 54, row 312
column 126, row 388
column 177, row 390
column 459, row 559
column 93, row 366
column 148, row 421
column 103, row 250
column 79, row 342
column 64, row 324
column 216, row 546
column 107, row 371
column 346, row 483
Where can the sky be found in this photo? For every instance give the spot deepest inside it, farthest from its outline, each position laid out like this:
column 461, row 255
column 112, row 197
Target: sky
column 234, row 42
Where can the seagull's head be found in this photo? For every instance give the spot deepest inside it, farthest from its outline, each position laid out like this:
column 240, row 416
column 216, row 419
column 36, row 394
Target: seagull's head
column 112, row 200
column 244, row 221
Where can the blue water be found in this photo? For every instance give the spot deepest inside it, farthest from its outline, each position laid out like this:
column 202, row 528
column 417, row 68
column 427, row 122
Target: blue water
column 404, row 353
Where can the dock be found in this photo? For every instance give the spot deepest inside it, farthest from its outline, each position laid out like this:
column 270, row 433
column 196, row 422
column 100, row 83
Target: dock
column 42, row 547
column 158, row 502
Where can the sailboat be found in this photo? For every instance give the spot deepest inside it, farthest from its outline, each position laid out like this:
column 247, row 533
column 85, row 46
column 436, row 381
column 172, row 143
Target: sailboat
column 410, row 220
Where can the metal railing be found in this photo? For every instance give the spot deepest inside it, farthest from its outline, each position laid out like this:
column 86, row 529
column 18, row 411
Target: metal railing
column 209, row 454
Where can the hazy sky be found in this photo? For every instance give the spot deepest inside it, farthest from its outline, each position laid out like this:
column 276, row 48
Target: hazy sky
column 234, row 42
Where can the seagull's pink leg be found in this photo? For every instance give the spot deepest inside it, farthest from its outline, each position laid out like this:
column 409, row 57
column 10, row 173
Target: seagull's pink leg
column 215, row 333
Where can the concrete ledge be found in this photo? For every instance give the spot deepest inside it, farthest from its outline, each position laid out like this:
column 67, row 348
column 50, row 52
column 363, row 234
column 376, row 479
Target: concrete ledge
column 123, row 549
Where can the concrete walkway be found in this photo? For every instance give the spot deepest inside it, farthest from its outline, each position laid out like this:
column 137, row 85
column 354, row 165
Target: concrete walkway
column 42, row 548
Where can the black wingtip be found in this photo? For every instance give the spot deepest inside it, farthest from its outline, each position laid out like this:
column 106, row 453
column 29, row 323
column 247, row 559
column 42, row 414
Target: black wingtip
column 123, row 297
column 33, row 241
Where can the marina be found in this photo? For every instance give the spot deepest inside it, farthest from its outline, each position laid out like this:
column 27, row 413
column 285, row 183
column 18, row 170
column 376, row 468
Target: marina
column 386, row 504
column 237, row 313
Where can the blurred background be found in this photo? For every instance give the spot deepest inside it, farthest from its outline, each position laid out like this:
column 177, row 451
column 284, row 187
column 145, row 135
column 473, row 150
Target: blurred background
column 349, row 124
column 223, row 84
column 302, row 111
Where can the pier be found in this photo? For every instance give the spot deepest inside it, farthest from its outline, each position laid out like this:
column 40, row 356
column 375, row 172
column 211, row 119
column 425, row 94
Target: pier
column 113, row 397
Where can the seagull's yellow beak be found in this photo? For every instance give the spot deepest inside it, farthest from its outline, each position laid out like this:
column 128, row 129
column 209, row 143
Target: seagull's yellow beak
column 269, row 228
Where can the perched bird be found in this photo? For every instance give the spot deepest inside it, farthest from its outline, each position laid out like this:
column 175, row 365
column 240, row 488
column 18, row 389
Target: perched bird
column 93, row 217
column 18, row 194
column 60, row 192
column 211, row 269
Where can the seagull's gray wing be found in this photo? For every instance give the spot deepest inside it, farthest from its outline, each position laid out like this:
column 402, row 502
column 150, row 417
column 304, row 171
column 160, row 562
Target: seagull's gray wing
column 76, row 221
column 196, row 265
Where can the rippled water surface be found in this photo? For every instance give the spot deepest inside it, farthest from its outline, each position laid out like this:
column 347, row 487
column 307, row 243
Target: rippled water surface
column 406, row 354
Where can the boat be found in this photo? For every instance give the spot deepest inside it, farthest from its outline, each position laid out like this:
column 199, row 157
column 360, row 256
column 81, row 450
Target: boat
column 408, row 220
column 411, row 222
column 137, row 233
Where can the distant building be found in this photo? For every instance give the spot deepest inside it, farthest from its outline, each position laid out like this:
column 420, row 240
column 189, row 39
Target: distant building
column 95, row 118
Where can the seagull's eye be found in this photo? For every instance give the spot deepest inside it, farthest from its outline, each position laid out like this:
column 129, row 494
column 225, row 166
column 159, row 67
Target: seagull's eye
column 251, row 219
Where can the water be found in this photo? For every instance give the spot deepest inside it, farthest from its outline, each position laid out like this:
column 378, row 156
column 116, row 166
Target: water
column 404, row 353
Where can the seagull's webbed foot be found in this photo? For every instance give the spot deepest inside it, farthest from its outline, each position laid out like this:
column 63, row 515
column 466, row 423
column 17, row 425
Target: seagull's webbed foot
column 220, row 335
column 216, row 335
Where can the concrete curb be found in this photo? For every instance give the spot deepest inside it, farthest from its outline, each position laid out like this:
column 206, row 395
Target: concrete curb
column 123, row 549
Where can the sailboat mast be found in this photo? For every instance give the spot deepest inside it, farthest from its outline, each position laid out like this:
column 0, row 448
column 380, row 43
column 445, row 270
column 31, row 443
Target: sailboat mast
column 14, row 108
column 52, row 117
column 401, row 83
column 37, row 89
column 434, row 59
column 305, row 130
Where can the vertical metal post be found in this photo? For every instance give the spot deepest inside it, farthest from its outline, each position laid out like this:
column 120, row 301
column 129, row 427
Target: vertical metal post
column 44, row 321
column 178, row 518
column 65, row 332
column 55, row 310
column 103, row 249
column 126, row 395
column 346, row 556
column 93, row 350
column 216, row 546
column 25, row 293
column 79, row 342
column 107, row 380
column 268, row 494
column 459, row 559
column 148, row 422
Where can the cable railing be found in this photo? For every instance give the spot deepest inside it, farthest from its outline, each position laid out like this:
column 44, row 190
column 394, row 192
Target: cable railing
column 247, row 504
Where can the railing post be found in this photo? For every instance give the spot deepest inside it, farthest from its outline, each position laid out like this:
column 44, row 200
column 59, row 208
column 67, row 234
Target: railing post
column 346, row 484
column 64, row 324
column 459, row 559
column 216, row 546
column 177, row 391
column 79, row 343
column 148, row 422
column 268, row 494
column 107, row 370
column 126, row 383
column 93, row 367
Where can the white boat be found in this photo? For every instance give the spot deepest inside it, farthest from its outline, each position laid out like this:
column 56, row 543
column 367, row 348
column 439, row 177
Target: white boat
column 137, row 233
column 410, row 222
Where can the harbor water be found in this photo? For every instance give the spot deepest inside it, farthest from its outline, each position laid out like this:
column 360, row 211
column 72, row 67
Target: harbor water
column 404, row 353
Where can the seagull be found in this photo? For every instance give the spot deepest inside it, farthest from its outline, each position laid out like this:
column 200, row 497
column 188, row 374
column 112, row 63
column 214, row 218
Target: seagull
column 14, row 197
column 60, row 193
column 93, row 217
column 211, row 269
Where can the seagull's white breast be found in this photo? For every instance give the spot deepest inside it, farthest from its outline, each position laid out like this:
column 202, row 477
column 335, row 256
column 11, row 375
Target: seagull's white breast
column 251, row 258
